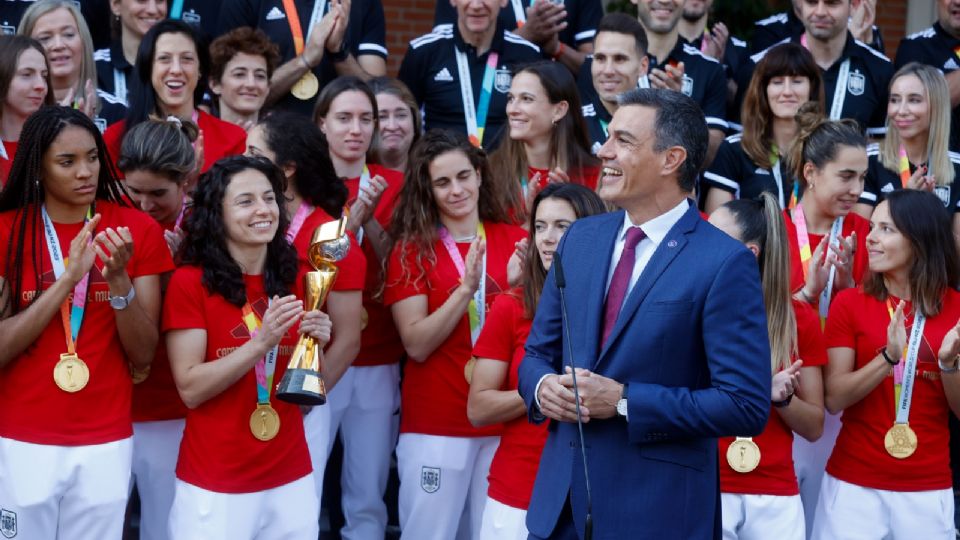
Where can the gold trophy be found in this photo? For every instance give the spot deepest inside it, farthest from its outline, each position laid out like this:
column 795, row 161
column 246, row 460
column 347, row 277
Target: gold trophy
column 302, row 383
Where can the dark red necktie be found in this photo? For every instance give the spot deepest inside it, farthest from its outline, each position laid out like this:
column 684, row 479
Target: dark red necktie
column 621, row 280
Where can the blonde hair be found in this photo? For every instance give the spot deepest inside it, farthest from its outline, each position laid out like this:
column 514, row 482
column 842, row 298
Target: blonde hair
column 938, row 134
column 88, row 69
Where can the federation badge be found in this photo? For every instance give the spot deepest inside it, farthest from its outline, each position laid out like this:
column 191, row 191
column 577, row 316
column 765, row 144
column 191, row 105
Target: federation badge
column 429, row 479
column 8, row 523
column 7, row 29
column 856, row 83
column 191, row 17
column 687, row 87
column 501, row 81
column 944, row 193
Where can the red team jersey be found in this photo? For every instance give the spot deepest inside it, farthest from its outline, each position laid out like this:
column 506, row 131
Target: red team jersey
column 859, row 322
column 218, row 452
column 379, row 342
column 851, row 223
column 434, row 392
column 775, row 474
column 36, row 410
column 220, row 139
column 514, row 467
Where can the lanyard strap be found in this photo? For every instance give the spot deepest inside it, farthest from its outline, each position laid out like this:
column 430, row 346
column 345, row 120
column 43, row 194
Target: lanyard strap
column 296, row 223
column 827, row 292
column 644, row 81
column 956, row 51
column 475, row 113
column 703, row 40
column 3, row 151
column 603, row 126
column 183, row 210
column 266, row 366
column 777, row 175
column 176, row 9
column 519, row 13
column 803, row 239
column 72, row 317
column 476, row 310
column 293, row 19
column 904, row 166
column 364, row 182
column 840, row 91
column 120, row 85
column 904, row 373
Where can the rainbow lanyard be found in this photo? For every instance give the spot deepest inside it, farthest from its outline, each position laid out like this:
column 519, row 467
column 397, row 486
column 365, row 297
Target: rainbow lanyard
column 303, row 211
column 266, row 366
column 904, row 164
column 519, row 13
column 956, row 51
column 475, row 114
column 803, row 241
column 904, row 373
column 703, row 40
column 72, row 318
column 476, row 309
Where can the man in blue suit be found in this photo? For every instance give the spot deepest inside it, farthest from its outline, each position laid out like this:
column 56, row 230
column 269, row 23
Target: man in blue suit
column 669, row 336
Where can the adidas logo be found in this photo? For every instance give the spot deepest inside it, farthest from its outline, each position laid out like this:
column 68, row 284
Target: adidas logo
column 443, row 76
column 951, row 64
column 760, row 170
column 887, row 188
column 588, row 110
column 275, row 14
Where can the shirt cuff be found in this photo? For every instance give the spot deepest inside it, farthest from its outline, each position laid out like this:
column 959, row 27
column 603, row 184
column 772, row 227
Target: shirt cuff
column 536, row 393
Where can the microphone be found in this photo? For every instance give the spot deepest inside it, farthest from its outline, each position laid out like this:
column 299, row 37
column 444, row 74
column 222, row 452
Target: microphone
column 561, row 285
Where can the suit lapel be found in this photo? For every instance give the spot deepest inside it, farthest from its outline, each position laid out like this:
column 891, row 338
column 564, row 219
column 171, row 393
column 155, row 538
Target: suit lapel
column 673, row 243
column 606, row 236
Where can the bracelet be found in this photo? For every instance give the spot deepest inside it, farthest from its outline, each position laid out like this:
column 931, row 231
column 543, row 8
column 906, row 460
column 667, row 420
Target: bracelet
column 784, row 403
column 886, row 357
column 806, row 297
column 945, row 369
column 559, row 52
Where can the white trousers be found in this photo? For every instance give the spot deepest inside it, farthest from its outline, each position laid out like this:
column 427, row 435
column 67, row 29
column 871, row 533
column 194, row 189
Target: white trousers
column 364, row 406
column 761, row 517
column 809, row 462
column 503, row 522
column 442, row 478
column 850, row 512
column 156, row 446
column 316, row 429
column 287, row 512
column 63, row 492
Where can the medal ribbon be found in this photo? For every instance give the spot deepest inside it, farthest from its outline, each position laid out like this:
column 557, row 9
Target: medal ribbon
column 176, row 9
column 266, row 366
column 293, row 19
column 364, row 182
column 476, row 115
column 803, row 239
column 296, row 223
column 72, row 317
column 840, row 91
column 905, row 373
column 476, row 311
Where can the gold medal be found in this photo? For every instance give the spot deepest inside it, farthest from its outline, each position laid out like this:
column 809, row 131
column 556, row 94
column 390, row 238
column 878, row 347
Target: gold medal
column 264, row 422
column 139, row 375
column 306, row 87
column 900, row 441
column 468, row 369
column 71, row 373
column 743, row 455
column 364, row 318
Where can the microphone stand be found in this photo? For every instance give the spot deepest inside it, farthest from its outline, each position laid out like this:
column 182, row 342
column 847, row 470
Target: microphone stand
column 561, row 285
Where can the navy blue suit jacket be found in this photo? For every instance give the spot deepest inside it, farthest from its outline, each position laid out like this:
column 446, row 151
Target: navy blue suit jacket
column 690, row 342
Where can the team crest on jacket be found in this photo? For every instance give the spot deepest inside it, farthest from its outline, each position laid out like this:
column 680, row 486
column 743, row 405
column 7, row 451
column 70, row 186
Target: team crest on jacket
column 429, row 479
column 501, row 80
column 687, row 86
column 856, row 83
column 8, row 523
column 944, row 193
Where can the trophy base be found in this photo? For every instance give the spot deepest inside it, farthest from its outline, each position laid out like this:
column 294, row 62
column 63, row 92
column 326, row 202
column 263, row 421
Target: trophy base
column 302, row 387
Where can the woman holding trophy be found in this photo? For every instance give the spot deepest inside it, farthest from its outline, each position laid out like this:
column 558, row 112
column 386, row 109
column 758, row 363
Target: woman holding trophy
column 230, row 319
column 453, row 239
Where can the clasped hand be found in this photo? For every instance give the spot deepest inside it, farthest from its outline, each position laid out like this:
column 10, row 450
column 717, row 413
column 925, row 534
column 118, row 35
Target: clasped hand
column 598, row 396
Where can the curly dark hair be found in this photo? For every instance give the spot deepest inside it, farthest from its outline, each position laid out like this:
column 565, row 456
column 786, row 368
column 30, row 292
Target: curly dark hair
column 204, row 244
column 24, row 192
column 297, row 141
column 244, row 40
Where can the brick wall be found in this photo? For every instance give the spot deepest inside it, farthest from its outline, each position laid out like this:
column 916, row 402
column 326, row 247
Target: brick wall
column 406, row 19
column 892, row 20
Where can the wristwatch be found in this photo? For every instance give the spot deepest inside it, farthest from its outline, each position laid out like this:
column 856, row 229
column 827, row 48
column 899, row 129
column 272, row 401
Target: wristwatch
column 121, row 303
column 622, row 403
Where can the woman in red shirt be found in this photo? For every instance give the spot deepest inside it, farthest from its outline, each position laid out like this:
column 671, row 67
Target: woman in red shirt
column 759, row 492
column 363, row 407
column 453, row 239
column 79, row 305
column 157, row 159
column 229, row 317
column 499, row 350
column 893, row 347
column 548, row 139
column 170, row 64
column 24, row 66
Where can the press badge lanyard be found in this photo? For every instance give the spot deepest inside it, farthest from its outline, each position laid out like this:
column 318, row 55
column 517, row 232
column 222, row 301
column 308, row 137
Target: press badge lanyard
column 475, row 113
column 476, row 308
column 296, row 223
column 840, row 92
column 519, row 13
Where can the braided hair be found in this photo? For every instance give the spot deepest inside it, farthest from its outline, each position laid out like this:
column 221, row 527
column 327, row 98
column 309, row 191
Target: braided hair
column 24, row 192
